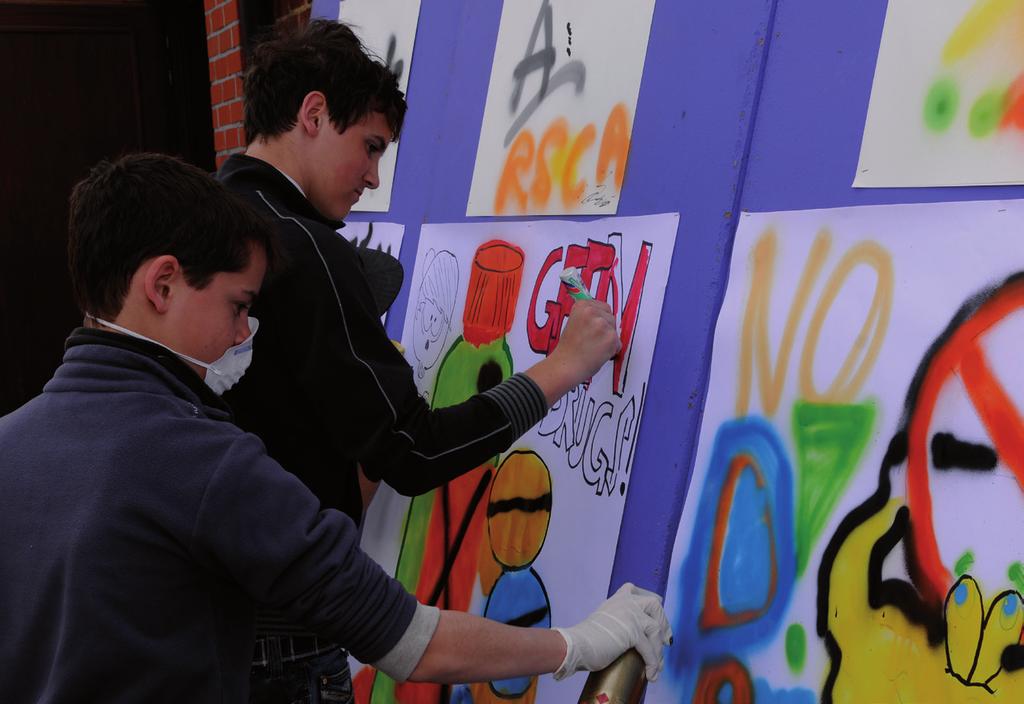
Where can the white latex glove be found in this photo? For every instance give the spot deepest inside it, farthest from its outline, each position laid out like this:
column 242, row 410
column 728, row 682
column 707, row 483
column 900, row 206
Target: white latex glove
column 631, row 618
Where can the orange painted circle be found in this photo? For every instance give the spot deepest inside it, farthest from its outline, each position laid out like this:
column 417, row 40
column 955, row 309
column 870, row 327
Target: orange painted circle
column 519, row 509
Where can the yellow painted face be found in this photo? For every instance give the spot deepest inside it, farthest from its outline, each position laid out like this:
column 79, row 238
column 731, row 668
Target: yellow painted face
column 519, row 510
column 886, row 657
column 977, row 636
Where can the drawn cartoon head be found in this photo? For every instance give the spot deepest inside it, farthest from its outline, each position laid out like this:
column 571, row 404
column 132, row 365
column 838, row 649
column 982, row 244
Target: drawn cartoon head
column 435, row 306
column 951, row 500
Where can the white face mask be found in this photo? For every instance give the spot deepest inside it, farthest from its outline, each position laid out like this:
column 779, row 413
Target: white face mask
column 222, row 373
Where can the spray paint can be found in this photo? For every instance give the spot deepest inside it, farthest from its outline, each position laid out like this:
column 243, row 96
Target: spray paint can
column 622, row 682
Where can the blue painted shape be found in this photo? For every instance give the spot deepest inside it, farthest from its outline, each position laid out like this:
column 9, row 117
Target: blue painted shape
column 764, row 694
column 746, row 558
column 960, row 595
column 755, row 437
column 518, row 598
column 461, row 694
column 1010, row 605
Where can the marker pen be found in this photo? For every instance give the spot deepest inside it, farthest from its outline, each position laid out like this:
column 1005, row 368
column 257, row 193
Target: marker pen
column 573, row 280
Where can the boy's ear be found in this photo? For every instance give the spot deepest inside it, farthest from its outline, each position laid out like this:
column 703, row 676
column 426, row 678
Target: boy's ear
column 313, row 115
column 158, row 278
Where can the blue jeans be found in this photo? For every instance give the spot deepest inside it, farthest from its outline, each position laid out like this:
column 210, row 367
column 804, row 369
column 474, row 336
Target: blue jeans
column 317, row 679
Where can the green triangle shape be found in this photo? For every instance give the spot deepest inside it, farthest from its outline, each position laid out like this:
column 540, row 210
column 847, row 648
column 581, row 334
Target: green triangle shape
column 830, row 439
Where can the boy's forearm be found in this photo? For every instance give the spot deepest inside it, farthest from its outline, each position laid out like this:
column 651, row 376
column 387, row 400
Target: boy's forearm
column 467, row 648
column 555, row 376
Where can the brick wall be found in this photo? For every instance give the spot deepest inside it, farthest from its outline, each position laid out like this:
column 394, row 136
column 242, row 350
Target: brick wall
column 223, row 44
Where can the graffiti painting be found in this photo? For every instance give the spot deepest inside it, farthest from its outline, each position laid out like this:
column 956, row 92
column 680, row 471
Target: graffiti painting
column 947, row 103
column 849, row 533
column 529, row 536
column 560, row 107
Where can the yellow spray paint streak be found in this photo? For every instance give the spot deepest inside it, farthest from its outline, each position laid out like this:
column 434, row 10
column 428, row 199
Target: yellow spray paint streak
column 754, row 347
column 847, row 384
column 887, row 658
column 976, row 28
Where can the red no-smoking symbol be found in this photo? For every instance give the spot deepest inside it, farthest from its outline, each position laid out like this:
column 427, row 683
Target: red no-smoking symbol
column 960, row 354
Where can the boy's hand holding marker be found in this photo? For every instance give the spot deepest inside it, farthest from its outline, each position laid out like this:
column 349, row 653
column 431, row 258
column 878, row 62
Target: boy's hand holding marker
column 591, row 331
column 588, row 341
column 572, row 277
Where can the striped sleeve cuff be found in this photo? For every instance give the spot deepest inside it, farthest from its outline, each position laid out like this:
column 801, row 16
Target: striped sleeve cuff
column 521, row 400
column 401, row 660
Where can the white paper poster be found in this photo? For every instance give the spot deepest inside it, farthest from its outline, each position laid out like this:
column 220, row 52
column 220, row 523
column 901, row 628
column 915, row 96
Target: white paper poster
column 385, row 236
column 560, row 107
column 851, row 532
column 947, row 103
column 388, row 29
column 532, row 533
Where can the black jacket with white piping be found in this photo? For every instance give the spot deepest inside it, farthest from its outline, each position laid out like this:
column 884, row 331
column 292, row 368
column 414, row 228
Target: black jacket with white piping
column 327, row 389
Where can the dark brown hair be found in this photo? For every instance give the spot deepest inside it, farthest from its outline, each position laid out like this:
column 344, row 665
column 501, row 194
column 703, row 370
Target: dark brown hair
column 324, row 56
column 145, row 205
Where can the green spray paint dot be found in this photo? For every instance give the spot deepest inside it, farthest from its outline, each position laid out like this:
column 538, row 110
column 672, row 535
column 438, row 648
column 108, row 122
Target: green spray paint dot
column 796, row 647
column 986, row 113
column 940, row 105
column 1016, row 575
column 964, row 563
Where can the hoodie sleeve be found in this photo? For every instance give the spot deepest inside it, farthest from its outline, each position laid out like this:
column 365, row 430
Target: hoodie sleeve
column 258, row 524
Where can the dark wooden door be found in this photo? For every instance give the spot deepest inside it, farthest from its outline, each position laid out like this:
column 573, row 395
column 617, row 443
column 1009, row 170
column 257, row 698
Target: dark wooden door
column 81, row 81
